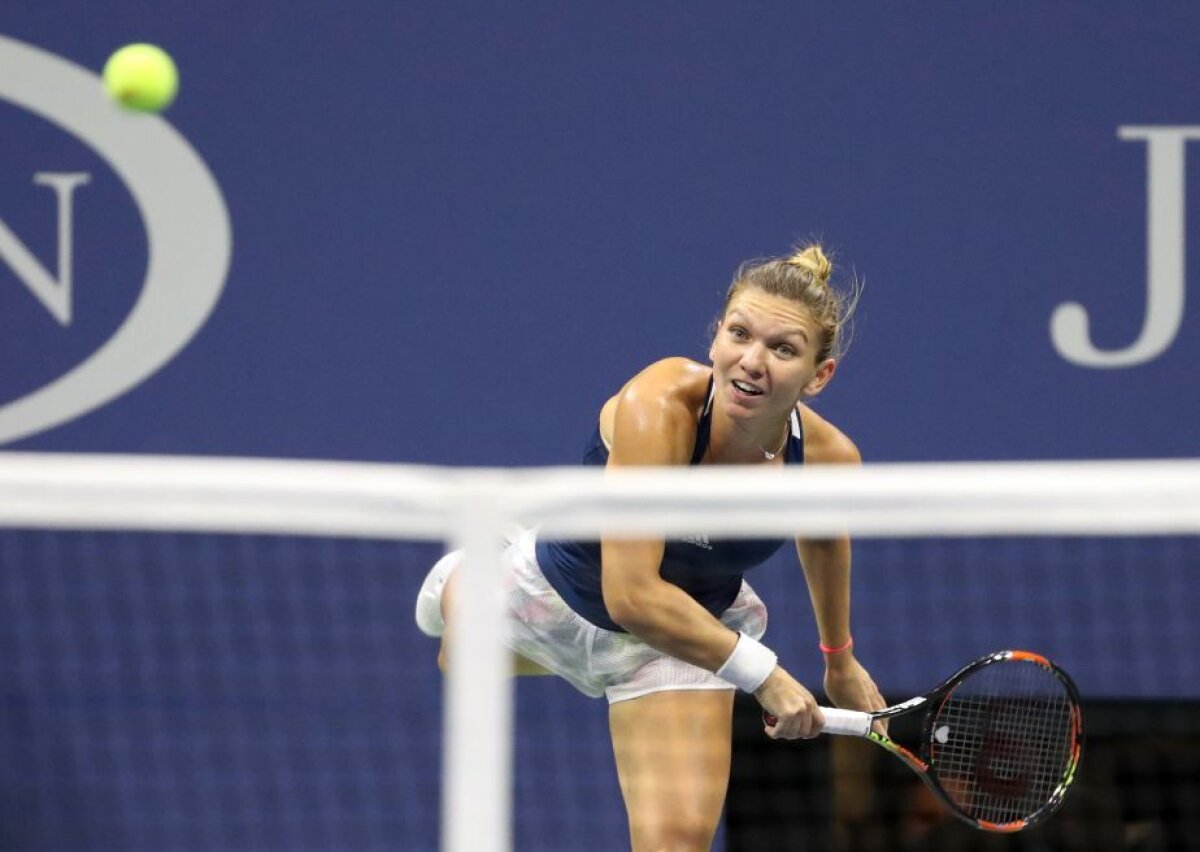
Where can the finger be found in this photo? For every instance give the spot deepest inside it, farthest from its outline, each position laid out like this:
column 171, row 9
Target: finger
column 878, row 703
column 816, row 721
column 804, row 726
column 785, row 728
column 881, row 726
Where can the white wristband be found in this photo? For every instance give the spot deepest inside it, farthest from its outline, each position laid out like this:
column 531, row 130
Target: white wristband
column 749, row 665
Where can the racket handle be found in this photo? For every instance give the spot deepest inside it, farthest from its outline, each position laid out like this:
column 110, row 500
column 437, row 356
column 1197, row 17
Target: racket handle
column 847, row 723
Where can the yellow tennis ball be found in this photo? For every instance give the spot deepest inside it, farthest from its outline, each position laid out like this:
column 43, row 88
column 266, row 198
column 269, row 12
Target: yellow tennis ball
column 141, row 77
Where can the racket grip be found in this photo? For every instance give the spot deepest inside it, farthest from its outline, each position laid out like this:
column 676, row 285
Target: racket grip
column 847, row 723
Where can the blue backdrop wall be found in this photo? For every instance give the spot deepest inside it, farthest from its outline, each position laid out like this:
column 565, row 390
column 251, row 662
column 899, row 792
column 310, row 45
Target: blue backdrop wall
column 456, row 228
column 446, row 232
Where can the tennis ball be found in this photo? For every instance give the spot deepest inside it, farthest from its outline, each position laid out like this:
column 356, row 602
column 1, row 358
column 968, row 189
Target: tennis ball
column 141, row 77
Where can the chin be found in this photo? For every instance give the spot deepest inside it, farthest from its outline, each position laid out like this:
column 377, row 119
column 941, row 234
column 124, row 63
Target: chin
column 736, row 410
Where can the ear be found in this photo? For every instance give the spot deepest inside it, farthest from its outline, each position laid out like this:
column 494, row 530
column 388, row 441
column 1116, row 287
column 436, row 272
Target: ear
column 825, row 371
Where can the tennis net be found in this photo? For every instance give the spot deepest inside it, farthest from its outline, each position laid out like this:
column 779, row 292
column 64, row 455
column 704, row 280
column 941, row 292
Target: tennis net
column 215, row 653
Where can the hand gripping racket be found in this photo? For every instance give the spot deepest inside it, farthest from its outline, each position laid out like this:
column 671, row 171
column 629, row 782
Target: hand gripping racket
column 1000, row 740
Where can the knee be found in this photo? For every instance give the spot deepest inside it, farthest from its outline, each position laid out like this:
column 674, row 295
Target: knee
column 680, row 833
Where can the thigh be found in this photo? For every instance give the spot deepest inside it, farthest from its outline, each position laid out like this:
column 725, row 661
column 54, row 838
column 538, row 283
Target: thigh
column 673, row 751
column 521, row 666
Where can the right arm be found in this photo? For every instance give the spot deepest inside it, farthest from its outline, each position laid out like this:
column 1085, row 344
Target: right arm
column 655, row 425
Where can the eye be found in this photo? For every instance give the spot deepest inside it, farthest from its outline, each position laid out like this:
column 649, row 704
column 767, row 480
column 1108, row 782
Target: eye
column 737, row 332
column 786, row 350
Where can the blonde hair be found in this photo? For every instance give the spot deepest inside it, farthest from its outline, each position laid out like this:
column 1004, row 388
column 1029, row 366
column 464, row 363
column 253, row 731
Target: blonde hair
column 804, row 277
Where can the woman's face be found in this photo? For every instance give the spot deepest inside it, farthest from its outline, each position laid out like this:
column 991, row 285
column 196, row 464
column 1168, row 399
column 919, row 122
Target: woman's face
column 764, row 355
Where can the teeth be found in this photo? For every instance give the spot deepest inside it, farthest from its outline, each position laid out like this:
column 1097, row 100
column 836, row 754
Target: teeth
column 745, row 388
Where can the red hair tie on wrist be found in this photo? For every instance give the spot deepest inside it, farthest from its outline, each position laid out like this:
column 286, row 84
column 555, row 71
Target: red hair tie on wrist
column 826, row 649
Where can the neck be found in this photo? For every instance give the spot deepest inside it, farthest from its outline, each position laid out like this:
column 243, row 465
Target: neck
column 737, row 444
column 770, row 454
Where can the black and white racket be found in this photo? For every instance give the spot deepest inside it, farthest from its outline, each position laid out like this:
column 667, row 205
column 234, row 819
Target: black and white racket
column 1000, row 740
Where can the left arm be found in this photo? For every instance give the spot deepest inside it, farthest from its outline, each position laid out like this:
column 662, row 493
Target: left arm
column 826, row 564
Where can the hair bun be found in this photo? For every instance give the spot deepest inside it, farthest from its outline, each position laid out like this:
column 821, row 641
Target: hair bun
column 812, row 258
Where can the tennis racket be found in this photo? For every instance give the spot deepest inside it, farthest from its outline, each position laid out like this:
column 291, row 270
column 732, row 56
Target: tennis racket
column 1000, row 740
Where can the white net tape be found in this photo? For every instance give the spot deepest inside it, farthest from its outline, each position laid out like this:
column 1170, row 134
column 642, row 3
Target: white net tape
column 338, row 498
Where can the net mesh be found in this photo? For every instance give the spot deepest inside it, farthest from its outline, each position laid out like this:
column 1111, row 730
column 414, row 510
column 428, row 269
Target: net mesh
column 257, row 686
column 167, row 691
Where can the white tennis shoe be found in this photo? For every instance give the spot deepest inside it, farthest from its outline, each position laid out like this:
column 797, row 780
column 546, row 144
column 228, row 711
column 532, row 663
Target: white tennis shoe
column 429, row 599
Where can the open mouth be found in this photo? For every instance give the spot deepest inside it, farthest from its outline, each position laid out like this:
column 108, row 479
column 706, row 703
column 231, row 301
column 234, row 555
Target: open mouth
column 747, row 388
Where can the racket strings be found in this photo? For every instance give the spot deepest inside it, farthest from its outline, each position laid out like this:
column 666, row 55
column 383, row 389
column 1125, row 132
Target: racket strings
column 1002, row 741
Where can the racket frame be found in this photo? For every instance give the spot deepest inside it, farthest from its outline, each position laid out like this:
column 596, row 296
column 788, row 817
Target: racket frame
column 862, row 724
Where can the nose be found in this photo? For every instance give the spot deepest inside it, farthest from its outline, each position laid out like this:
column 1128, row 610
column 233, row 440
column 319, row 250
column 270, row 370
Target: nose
column 754, row 359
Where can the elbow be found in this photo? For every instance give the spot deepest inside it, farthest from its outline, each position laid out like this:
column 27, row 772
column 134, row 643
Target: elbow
column 632, row 610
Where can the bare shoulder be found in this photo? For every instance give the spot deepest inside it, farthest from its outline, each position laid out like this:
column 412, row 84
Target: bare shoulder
column 652, row 419
column 825, row 443
column 671, row 380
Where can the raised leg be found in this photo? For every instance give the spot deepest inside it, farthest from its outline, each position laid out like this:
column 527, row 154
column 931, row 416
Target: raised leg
column 521, row 666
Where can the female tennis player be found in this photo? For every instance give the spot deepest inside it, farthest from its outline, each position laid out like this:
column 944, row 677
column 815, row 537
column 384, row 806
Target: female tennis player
column 666, row 630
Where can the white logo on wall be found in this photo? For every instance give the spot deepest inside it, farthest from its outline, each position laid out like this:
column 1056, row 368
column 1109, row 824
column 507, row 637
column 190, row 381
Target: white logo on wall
column 1165, row 250
column 187, row 234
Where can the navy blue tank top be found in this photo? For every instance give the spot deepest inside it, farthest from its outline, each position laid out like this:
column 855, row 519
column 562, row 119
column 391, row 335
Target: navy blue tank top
column 708, row 570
